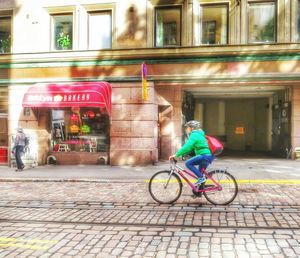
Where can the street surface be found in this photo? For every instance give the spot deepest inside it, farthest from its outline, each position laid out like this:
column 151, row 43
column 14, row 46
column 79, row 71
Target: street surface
column 113, row 215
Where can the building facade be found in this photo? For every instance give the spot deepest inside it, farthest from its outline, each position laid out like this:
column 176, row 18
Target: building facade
column 234, row 65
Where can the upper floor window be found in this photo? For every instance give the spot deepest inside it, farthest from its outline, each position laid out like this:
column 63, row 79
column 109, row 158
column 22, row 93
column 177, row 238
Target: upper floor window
column 100, row 30
column 5, row 34
column 261, row 22
column 214, row 24
column 168, row 26
column 62, row 31
column 298, row 21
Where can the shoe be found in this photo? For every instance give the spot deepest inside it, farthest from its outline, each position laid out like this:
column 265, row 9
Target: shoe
column 18, row 170
column 200, row 180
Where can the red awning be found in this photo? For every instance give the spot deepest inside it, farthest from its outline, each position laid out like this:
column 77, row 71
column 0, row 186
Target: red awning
column 78, row 94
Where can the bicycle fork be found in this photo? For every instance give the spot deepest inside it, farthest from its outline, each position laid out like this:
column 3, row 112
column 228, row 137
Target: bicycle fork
column 167, row 183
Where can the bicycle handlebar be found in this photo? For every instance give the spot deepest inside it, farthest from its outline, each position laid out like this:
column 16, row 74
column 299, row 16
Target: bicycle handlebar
column 173, row 160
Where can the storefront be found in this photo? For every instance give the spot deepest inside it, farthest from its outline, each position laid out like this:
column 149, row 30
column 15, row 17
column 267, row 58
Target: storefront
column 78, row 120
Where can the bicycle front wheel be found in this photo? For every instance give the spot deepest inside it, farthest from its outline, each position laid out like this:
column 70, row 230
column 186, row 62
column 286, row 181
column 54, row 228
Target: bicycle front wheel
column 228, row 191
column 165, row 187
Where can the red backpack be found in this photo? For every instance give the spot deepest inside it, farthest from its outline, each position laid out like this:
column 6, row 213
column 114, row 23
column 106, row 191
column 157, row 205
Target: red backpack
column 216, row 147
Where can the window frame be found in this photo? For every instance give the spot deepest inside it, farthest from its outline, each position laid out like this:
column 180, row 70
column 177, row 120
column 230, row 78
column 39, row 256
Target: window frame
column 110, row 11
column 275, row 21
column 168, row 7
column 3, row 16
column 226, row 4
column 52, row 29
column 297, row 22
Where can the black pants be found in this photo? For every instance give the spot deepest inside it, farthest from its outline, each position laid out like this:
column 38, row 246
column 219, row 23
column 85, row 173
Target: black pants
column 19, row 152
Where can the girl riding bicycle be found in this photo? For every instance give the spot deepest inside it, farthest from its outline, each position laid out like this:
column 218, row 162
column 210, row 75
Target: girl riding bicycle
column 198, row 143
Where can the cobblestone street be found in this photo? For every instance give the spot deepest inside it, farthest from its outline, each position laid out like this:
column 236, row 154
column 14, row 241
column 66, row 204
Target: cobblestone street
column 84, row 219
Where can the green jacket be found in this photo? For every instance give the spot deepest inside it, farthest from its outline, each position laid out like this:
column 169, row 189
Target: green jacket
column 196, row 142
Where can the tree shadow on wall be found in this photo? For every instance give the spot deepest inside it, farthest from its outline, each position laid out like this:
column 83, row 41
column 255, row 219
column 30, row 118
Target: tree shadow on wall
column 109, row 63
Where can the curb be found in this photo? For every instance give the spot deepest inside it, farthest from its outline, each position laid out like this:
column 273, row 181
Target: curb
column 70, row 180
column 143, row 180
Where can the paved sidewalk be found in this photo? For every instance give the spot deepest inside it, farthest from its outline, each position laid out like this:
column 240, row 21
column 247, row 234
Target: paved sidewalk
column 241, row 168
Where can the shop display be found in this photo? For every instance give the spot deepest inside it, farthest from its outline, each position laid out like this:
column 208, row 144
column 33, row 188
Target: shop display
column 82, row 130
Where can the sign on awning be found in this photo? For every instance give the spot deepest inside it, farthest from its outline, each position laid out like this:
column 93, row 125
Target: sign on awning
column 78, row 94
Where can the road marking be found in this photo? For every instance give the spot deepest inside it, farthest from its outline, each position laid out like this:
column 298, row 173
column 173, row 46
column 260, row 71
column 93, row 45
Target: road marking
column 269, row 181
column 32, row 247
column 37, row 244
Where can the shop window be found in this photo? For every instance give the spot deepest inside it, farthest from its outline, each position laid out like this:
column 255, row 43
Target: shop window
column 3, row 100
column 214, row 24
column 168, row 27
column 3, row 118
column 5, row 34
column 262, row 22
column 100, row 30
column 80, row 130
column 62, row 31
column 3, row 131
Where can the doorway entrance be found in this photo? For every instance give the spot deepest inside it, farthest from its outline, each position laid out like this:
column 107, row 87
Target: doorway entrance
column 248, row 120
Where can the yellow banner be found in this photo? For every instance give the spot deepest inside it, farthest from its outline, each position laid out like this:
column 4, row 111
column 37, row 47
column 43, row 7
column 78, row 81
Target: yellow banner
column 144, row 82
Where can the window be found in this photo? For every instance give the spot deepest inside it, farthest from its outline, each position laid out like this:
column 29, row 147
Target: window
column 298, row 21
column 214, row 28
column 62, row 31
column 100, row 30
column 5, row 34
column 80, row 129
column 3, row 100
column 168, row 27
column 261, row 22
column 3, row 119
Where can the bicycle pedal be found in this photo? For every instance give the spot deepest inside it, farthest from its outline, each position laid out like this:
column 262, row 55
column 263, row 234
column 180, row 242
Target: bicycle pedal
column 196, row 194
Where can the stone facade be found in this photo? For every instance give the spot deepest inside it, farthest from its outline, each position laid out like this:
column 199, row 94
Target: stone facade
column 133, row 132
column 141, row 132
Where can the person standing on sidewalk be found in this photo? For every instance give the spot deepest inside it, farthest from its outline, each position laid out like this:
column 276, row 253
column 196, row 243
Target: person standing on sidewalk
column 18, row 148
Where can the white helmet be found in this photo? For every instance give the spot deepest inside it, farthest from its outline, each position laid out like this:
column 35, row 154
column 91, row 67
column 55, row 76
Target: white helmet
column 193, row 124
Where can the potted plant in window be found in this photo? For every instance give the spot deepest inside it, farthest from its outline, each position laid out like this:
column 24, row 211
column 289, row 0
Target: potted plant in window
column 63, row 41
column 5, row 44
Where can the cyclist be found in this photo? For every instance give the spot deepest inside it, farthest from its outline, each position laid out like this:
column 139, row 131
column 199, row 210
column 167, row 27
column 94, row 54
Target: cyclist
column 198, row 143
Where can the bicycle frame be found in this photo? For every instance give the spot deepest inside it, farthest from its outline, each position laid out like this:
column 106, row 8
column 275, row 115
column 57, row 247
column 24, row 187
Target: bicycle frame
column 181, row 172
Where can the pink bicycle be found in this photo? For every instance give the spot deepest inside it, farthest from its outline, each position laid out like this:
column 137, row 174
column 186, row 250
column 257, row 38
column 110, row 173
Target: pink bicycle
column 220, row 187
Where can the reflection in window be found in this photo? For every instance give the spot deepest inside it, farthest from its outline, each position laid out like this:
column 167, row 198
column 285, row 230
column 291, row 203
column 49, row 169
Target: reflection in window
column 5, row 34
column 261, row 22
column 63, row 31
column 214, row 24
column 100, row 30
column 168, row 27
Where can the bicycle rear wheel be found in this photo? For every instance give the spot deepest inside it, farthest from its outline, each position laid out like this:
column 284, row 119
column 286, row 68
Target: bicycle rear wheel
column 165, row 187
column 229, row 188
